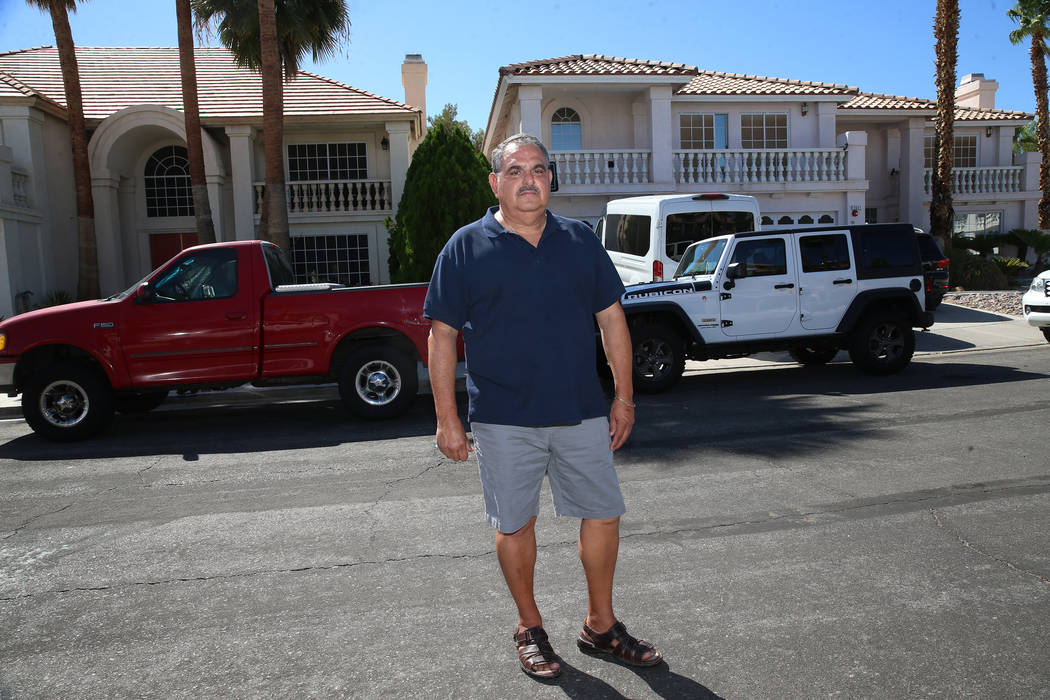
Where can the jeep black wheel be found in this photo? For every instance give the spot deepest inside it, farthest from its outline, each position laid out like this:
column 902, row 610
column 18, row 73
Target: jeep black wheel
column 813, row 355
column 139, row 401
column 882, row 343
column 67, row 402
column 658, row 358
column 378, row 381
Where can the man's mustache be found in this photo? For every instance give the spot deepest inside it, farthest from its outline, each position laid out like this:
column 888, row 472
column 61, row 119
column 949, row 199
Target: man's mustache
column 528, row 188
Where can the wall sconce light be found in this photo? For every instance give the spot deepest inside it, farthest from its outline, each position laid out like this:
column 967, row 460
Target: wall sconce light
column 988, row 131
column 805, row 108
column 385, row 144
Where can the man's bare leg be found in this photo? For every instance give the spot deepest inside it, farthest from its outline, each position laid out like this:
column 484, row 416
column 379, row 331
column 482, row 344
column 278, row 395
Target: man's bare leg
column 516, row 552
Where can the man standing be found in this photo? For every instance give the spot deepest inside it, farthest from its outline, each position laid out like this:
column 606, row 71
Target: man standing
column 525, row 287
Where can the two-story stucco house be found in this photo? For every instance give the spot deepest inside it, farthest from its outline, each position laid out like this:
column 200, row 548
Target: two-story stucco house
column 346, row 155
column 810, row 152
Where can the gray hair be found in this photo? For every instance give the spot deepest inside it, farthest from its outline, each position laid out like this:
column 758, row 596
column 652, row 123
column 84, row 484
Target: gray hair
column 513, row 142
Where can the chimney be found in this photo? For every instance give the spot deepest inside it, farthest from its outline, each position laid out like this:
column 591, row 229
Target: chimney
column 414, row 80
column 976, row 91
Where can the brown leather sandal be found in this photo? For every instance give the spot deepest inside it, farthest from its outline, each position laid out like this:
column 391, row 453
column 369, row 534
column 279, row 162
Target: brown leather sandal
column 535, row 650
column 618, row 642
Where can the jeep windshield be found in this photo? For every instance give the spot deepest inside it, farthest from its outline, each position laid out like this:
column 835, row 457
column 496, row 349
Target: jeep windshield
column 701, row 258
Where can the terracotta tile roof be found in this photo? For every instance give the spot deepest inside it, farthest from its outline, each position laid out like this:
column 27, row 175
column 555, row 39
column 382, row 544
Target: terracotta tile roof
column 596, row 64
column 714, row 83
column 115, row 78
column 870, row 100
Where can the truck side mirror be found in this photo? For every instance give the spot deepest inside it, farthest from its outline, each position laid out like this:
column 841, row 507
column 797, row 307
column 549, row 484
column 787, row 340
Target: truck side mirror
column 145, row 294
column 736, row 270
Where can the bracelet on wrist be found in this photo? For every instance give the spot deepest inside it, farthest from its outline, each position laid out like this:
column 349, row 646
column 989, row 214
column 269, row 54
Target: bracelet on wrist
column 625, row 402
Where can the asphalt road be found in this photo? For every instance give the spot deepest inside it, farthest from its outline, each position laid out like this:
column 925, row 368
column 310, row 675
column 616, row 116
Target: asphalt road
column 792, row 532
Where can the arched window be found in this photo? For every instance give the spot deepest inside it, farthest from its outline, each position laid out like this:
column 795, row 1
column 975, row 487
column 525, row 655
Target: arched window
column 168, row 190
column 767, row 220
column 785, row 221
column 826, row 219
column 805, row 219
column 566, row 130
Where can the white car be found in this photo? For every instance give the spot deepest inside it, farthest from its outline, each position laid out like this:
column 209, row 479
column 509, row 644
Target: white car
column 1036, row 304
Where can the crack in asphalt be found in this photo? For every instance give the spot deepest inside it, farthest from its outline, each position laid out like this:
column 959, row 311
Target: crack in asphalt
column 390, row 487
column 32, row 520
column 987, row 555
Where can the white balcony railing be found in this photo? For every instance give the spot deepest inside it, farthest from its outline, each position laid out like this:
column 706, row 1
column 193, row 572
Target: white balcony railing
column 595, row 167
column 19, row 187
column 333, row 196
column 722, row 167
column 992, row 180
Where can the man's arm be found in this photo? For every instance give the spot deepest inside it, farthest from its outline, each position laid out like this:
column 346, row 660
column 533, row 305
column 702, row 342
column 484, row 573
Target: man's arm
column 616, row 340
column 441, row 362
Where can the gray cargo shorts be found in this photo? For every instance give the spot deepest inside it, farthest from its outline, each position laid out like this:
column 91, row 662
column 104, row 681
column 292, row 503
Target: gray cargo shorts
column 513, row 460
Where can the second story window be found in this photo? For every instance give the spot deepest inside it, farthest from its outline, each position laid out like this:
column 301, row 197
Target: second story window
column 327, row 161
column 704, row 131
column 763, row 131
column 566, row 130
column 167, row 187
column 964, row 152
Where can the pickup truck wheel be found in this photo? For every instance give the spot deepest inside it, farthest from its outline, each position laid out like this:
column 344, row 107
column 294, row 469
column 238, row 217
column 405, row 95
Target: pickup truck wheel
column 67, row 402
column 659, row 358
column 813, row 355
column 378, row 381
column 882, row 343
column 139, row 401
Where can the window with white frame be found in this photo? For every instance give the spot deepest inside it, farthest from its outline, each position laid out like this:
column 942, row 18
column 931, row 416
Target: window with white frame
column 340, row 258
column 327, row 161
column 763, row 131
column 566, row 130
column 964, row 152
column 703, row 131
column 167, row 185
column 977, row 223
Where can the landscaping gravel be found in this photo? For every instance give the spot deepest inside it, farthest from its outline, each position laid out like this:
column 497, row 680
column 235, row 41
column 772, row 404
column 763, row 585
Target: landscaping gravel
column 1007, row 303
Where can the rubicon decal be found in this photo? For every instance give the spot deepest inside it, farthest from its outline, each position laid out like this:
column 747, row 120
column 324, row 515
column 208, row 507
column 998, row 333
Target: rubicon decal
column 669, row 291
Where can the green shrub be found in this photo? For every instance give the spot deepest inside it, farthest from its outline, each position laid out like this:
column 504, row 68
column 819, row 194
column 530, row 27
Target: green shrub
column 974, row 273
column 56, row 297
column 1011, row 267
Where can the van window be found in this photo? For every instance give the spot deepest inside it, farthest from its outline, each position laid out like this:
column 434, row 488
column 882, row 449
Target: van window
column 689, row 227
column 627, row 233
column 887, row 250
column 824, row 253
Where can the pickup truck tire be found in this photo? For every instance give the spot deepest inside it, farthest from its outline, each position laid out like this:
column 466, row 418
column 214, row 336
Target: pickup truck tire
column 139, row 401
column 67, row 402
column 813, row 354
column 378, row 381
column 658, row 357
column 882, row 343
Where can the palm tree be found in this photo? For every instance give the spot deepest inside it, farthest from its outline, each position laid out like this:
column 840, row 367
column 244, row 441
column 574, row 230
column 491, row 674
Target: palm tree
column 1026, row 138
column 191, row 111
column 1032, row 17
column 946, row 32
column 87, row 259
column 300, row 26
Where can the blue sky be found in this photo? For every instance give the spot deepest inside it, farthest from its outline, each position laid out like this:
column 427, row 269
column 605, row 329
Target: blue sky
column 882, row 47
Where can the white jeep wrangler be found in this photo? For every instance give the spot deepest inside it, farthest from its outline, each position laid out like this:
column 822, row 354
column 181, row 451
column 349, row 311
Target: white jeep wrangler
column 811, row 291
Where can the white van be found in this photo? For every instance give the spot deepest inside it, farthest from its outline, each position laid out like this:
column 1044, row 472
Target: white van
column 646, row 236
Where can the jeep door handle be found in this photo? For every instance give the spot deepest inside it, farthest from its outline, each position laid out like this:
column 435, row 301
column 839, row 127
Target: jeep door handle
column 845, row 281
column 783, row 286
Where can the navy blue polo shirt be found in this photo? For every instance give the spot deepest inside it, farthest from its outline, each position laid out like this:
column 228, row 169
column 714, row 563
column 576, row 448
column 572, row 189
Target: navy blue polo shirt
column 527, row 317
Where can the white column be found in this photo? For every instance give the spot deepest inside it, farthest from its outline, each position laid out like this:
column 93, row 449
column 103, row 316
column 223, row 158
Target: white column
column 913, row 209
column 530, row 104
column 104, row 186
column 661, row 131
column 856, row 143
column 215, row 184
column 826, row 124
column 242, row 177
column 1030, row 206
column 399, row 159
column 640, row 112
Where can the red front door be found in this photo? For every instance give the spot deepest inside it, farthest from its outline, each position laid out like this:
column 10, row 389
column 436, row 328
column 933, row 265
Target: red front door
column 165, row 246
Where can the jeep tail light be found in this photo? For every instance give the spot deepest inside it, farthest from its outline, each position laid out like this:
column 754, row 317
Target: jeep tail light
column 658, row 271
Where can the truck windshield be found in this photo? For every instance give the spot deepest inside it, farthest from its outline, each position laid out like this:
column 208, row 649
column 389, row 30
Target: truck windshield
column 701, row 258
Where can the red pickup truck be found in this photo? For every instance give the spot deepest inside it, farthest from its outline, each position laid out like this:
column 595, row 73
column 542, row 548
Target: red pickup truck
column 213, row 317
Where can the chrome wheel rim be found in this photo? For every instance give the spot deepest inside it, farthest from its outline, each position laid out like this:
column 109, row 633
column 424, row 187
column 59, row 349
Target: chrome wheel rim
column 64, row 403
column 378, row 382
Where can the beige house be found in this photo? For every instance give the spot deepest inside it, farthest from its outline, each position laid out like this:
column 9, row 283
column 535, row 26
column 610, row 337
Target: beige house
column 346, row 155
column 810, row 152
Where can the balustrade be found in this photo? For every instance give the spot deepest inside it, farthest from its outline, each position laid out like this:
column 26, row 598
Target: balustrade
column 990, row 180
column 596, row 167
column 702, row 167
column 333, row 196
